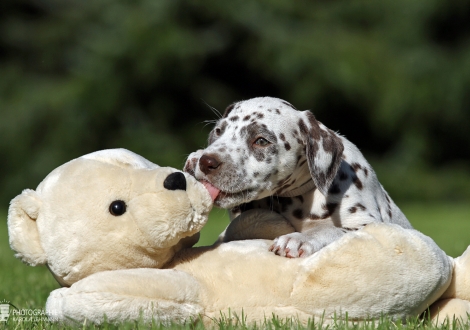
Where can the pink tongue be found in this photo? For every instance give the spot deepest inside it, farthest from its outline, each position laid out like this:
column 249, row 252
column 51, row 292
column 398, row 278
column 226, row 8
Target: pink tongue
column 213, row 191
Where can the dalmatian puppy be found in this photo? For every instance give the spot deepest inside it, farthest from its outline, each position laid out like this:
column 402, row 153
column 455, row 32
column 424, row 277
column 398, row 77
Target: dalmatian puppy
column 263, row 153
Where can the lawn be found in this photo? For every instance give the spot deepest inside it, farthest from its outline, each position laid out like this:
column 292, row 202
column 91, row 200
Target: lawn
column 28, row 287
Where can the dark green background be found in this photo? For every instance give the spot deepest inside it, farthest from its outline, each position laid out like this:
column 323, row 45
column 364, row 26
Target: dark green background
column 393, row 76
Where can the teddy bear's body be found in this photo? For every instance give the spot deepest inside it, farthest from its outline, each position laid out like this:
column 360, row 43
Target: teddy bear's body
column 243, row 278
column 115, row 230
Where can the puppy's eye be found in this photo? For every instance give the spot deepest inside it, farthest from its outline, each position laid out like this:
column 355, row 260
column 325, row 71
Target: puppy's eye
column 261, row 142
column 117, row 208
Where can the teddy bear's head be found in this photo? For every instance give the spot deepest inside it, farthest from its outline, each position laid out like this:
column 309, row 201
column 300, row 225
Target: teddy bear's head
column 107, row 210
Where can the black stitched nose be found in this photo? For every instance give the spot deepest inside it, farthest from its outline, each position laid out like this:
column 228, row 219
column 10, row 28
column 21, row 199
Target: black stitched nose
column 208, row 164
column 175, row 181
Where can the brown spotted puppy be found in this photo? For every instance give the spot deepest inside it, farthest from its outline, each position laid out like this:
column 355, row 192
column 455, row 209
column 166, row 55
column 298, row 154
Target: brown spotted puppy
column 263, row 153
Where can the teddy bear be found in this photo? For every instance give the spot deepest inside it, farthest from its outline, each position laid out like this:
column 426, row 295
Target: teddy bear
column 117, row 233
column 455, row 301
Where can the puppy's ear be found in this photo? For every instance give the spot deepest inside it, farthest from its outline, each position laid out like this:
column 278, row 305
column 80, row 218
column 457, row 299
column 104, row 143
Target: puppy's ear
column 324, row 151
column 22, row 228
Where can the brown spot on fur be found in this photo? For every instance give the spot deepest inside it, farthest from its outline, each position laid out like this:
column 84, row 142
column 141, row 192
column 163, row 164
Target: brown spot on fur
column 289, row 105
column 282, row 203
column 352, row 209
column 298, row 214
column 303, row 127
column 388, row 198
column 228, row 110
column 314, row 216
column 331, row 142
column 334, row 189
column 355, row 167
column 247, row 117
column 282, row 137
column 234, row 118
column 360, row 206
column 287, row 146
column 315, row 130
column 357, row 182
column 217, row 131
column 330, row 207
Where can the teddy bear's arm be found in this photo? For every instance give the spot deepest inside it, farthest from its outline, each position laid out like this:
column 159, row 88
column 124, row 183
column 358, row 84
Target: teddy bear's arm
column 164, row 295
column 257, row 224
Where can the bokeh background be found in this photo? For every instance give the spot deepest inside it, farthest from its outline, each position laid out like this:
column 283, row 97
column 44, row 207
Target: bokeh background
column 393, row 76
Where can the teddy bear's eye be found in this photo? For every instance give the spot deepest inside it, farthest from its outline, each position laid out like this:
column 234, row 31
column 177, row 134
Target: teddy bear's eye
column 117, row 208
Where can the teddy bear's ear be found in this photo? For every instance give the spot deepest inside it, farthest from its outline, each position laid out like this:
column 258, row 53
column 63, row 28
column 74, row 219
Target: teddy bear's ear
column 22, row 228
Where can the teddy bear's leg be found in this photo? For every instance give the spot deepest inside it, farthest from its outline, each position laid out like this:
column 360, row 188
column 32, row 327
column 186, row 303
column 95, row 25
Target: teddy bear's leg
column 162, row 295
column 450, row 310
column 257, row 224
column 460, row 285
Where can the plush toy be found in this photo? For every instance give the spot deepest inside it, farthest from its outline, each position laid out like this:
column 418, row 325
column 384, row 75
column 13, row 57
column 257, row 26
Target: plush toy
column 455, row 302
column 115, row 230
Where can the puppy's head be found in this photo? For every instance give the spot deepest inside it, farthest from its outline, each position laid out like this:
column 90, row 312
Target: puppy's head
column 264, row 146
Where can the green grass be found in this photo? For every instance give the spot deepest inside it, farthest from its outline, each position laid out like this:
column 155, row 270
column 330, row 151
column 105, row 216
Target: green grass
column 447, row 224
column 28, row 287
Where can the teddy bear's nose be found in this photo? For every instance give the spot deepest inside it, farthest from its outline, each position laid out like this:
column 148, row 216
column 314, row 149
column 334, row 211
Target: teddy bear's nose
column 175, row 181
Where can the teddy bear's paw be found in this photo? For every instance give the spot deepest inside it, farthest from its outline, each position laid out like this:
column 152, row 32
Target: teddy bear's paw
column 295, row 245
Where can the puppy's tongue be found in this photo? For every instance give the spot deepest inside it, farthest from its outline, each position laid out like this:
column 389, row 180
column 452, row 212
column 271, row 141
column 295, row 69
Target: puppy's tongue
column 213, row 191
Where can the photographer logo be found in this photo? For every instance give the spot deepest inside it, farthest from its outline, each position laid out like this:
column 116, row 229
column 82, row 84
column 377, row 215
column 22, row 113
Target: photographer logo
column 4, row 310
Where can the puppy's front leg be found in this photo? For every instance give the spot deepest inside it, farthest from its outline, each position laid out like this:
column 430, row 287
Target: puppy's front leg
column 306, row 243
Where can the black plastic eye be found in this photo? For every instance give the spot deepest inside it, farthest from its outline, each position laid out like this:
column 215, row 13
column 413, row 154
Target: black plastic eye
column 117, row 208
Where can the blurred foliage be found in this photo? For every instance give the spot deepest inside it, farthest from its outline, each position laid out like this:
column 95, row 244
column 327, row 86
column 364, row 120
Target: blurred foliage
column 393, row 76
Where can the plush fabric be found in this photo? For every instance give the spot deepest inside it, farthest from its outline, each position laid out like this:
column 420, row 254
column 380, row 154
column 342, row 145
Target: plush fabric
column 140, row 264
column 455, row 302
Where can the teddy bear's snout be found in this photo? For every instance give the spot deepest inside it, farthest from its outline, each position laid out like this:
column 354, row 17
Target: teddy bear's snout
column 175, row 181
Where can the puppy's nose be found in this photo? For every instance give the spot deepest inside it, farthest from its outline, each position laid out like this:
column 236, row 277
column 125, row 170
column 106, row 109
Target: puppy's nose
column 208, row 164
column 175, row 181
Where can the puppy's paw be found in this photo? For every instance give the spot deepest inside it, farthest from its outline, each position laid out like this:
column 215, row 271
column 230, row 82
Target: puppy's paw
column 295, row 245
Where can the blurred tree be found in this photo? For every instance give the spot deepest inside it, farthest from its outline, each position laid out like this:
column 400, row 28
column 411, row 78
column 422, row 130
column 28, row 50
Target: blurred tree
column 393, row 76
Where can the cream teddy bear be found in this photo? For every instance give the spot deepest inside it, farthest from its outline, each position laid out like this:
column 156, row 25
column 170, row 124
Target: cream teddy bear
column 115, row 229
column 455, row 302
